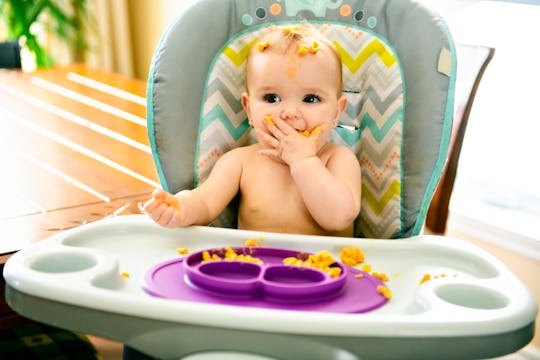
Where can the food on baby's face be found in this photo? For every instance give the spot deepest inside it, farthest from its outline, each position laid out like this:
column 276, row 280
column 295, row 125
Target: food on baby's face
column 305, row 133
column 269, row 120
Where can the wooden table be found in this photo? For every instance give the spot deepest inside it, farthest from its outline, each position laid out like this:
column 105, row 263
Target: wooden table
column 73, row 149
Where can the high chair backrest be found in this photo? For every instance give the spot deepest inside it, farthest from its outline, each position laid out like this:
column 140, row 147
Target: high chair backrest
column 398, row 72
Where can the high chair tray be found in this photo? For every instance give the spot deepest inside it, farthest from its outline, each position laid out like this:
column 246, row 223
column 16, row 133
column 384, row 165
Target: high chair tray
column 94, row 279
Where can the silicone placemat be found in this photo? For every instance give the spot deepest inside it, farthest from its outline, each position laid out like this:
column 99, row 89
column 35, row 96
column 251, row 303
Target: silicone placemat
column 168, row 280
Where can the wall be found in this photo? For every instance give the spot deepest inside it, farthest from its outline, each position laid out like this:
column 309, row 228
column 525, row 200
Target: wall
column 148, row 21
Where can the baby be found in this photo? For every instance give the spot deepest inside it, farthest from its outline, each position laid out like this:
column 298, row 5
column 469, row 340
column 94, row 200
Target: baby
column 292, row 180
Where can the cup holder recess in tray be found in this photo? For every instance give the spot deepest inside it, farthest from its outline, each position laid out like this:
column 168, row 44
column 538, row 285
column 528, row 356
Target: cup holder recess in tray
column 472, row 296
column 63, row 262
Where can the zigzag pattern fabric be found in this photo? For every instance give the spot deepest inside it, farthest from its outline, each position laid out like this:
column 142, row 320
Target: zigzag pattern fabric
column 374, row 117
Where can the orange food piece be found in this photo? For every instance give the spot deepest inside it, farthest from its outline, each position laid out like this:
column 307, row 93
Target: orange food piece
column 182, row 251
column 384, row 291
column 269, row 120
column 351, row 256
column 425, row 278
column 380, row 276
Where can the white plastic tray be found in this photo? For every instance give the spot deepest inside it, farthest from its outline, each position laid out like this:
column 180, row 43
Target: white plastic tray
column 478, row 309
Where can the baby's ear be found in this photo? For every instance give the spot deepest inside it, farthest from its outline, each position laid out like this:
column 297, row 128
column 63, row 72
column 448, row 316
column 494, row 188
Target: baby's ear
column 341, row 106
column 245, row 104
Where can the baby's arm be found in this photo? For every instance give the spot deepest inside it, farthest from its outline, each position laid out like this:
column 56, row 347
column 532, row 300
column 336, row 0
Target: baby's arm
column 203, row 204
column 332, row 192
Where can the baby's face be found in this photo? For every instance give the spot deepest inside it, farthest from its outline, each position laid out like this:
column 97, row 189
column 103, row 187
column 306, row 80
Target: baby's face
column 303, row 90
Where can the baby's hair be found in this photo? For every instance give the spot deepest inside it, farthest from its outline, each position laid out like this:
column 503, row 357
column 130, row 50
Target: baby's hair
column 302, row 39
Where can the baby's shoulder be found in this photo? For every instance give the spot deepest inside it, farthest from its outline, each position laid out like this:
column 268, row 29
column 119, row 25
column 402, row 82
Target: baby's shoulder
column 240, row 153
column 331, row 150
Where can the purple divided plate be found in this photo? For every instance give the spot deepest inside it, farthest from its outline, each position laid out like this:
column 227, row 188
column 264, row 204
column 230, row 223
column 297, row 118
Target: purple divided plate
column 269, row 278
column 171, row 280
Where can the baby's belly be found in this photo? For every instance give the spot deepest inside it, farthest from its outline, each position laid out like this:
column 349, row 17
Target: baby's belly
column 283, row 220
column 276, row 219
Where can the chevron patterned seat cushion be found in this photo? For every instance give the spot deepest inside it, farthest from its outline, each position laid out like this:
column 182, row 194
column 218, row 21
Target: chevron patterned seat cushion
column 374, row 119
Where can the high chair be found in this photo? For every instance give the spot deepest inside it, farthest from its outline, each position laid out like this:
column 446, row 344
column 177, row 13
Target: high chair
column 448, row 298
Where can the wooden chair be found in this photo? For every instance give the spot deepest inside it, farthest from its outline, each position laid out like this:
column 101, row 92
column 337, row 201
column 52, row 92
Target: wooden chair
column 472, row 62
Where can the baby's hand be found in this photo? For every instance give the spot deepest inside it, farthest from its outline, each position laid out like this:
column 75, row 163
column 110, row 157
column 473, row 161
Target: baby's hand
column 287, row 144
column 164, row 209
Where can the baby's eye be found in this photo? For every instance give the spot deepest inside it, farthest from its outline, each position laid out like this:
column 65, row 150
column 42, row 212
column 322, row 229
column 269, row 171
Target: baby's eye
column 271, row 98
column 310, row 98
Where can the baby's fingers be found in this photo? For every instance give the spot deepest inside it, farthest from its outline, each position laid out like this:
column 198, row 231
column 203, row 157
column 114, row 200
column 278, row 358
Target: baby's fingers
column 270, row 140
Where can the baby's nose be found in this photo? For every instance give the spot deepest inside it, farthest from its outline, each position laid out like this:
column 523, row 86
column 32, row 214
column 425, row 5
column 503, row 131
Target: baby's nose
column 290, row 112
column 293, row 116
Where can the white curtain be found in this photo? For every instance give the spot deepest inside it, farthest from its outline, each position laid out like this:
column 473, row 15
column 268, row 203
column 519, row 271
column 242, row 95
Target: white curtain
column 111, row 47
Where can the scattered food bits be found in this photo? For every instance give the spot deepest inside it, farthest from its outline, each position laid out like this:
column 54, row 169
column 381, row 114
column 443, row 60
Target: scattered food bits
column 251, row 242
column 380, row 276
column 124, row 274
column 182, row 251
column 322, row 261
column 428, row 277
column 366, row 268
column 228, row 255
column 358, row 276
column 425, row 278
column 305, row 133
column 351, row 256
column 384, row 291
